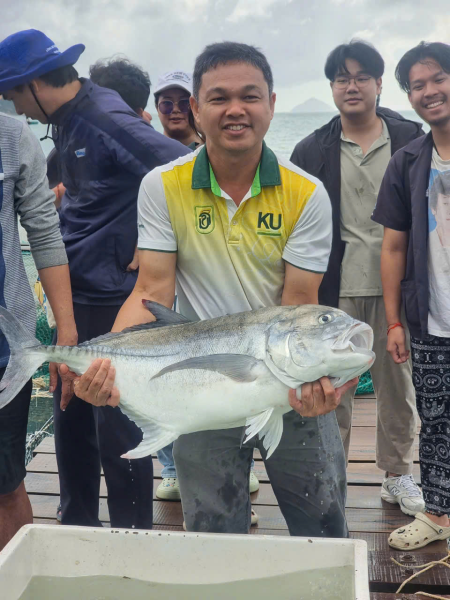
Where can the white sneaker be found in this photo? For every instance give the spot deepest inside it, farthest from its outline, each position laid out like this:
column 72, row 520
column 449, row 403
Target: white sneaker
column 255, row 518
column 168, row 489
column 403, row 490
column 254, row 483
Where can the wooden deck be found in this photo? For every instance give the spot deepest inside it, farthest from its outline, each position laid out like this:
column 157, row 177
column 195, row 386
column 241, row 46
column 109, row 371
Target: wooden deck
column 369, row 518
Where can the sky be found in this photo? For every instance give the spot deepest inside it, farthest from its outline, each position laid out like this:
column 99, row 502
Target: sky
column 295, row 35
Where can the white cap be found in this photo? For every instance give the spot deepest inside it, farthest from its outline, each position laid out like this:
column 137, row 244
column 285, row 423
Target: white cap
column 174, row 79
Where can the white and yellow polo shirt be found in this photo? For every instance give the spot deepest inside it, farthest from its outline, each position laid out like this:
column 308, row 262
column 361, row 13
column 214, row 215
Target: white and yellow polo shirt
column 231, row 259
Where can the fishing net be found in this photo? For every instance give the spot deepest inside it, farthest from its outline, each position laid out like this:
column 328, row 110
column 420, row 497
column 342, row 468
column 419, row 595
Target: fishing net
column 40, row 420
column 365, row 385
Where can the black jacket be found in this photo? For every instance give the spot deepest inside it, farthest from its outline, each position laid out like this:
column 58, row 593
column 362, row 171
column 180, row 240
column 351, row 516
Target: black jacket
column 319, row 154
column 402, row 205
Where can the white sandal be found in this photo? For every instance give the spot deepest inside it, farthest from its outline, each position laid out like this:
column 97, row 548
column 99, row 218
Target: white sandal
column 419, row 533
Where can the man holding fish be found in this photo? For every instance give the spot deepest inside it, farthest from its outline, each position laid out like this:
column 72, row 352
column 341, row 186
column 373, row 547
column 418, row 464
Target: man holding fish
column 238, row 228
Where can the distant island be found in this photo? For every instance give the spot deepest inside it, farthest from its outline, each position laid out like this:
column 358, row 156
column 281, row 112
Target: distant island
column 6, row 106
column 313, row 106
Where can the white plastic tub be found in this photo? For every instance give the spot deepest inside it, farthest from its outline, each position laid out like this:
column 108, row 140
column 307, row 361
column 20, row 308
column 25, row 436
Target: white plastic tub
column 184, row 565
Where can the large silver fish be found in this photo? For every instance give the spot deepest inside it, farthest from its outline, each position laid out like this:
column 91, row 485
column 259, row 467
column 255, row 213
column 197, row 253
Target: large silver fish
column 177, row 377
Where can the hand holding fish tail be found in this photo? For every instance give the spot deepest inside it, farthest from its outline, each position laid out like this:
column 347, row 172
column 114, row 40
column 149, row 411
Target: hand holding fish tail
column 66, row 382
column 96, row 385
column 318, row 397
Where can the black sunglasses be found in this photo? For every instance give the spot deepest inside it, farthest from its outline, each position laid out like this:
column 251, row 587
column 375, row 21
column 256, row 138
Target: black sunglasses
column 167, row 106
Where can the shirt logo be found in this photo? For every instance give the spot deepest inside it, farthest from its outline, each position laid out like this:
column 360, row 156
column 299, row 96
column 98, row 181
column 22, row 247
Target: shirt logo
column 269, row 224
column 204, row 219
column 81, row 152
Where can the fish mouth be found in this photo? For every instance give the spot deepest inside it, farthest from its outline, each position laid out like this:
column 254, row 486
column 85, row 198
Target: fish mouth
column 359, row 340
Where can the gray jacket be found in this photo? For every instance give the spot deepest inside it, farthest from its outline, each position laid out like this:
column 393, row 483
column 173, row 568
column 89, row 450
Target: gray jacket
column 24, row 191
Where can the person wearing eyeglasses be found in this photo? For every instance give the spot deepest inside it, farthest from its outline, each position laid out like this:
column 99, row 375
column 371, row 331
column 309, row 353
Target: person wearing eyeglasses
column 350, row 155
column 172, row 94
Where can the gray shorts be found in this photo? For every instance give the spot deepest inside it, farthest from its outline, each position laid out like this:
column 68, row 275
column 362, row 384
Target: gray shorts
column 307, row 473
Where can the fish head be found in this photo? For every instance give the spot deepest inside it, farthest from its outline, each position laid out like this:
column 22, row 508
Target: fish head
column 318, row 341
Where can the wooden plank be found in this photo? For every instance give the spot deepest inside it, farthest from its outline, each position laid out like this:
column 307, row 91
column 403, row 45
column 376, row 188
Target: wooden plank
column 362, row 497
column 384, row 571
column 357, row 473
column 270, row 517
column 379, row 542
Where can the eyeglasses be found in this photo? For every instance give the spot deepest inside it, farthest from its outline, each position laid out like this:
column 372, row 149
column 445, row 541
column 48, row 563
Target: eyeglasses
column 167, row 106
column 342, row 83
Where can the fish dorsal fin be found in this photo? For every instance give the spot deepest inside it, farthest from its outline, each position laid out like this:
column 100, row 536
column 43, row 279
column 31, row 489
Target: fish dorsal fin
column 163, row 315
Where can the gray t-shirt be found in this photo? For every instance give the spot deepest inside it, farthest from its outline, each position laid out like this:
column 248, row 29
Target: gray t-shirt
column 361, row 177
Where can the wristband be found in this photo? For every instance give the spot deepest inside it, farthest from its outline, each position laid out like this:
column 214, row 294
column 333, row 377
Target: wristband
column 394, row 326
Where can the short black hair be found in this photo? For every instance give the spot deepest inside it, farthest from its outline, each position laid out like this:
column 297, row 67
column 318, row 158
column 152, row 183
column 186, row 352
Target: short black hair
column 437, row 51
column 440, row 185
column 223, row 53
column 368, row 57
column 128, row 79
column 60, row 77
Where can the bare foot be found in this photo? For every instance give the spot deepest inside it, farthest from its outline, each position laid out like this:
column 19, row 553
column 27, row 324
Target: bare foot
column 443, row 521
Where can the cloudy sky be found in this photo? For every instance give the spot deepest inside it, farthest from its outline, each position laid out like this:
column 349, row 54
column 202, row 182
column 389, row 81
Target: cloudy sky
column 296, row 35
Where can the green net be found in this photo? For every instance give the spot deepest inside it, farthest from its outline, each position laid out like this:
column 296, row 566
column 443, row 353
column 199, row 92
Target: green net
column 43, row 332
column 365, row 385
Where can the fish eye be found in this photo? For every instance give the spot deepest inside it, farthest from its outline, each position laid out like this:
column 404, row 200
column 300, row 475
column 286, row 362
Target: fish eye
column 324, row 319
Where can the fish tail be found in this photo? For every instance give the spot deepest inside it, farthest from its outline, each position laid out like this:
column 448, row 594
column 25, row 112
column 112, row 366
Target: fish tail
column 27, row 355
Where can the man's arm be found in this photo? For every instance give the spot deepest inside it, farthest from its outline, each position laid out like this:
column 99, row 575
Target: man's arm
column 393, row 266
column 300, row 286
column 156, row 281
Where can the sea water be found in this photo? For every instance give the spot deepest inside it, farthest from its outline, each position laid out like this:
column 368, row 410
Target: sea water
column 336, row 583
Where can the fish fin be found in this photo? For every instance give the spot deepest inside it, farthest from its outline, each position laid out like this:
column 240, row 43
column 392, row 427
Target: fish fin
column 239, row 367
column 154, row 438
column 253, row 425
column 26, row 355
column 164, row 317
column 271, row 432
column 269, row 428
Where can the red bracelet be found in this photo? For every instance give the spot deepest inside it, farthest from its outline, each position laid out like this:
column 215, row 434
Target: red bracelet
column 394, row 326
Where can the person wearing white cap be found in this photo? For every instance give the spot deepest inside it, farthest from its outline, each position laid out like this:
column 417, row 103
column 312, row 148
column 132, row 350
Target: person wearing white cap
column 172, row 94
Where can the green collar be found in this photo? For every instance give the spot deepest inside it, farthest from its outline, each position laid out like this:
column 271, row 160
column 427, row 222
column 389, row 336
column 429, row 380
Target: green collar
column 267, row 173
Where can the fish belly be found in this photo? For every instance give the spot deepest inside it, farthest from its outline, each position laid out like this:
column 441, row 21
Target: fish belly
column 197, row 400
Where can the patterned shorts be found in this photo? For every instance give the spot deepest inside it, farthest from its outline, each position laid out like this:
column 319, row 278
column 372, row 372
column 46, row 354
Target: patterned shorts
column 431, row 378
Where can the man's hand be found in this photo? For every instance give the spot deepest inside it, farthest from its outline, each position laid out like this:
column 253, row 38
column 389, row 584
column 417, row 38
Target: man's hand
column 318, row 397
column 96, row 386
column 396, row 345
column 69, row 339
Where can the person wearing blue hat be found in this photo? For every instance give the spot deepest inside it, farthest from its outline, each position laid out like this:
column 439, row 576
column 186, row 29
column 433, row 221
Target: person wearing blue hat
column 105, row 150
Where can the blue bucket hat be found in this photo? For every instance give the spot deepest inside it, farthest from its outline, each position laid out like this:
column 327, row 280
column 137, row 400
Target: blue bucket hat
column 28, row 54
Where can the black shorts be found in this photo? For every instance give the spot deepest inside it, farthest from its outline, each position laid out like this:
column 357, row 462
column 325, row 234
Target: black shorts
column 13, row 437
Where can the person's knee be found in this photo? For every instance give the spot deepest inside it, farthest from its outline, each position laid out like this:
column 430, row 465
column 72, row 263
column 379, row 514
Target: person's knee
column 11, row 498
